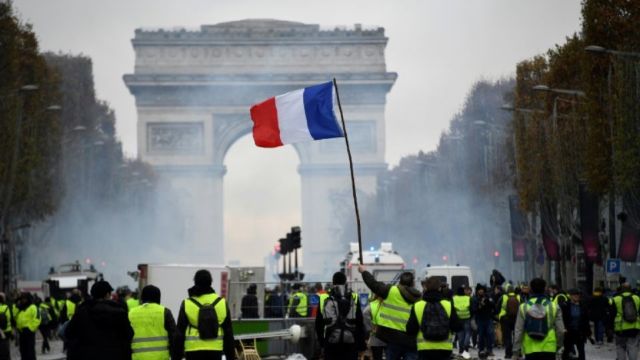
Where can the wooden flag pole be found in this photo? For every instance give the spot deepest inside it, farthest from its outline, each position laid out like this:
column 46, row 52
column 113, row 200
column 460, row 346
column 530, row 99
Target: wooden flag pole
column 353, row 180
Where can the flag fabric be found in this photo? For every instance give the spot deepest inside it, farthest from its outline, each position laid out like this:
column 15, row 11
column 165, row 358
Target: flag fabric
column 519, row 227
column 302, row 115
column 549, row 229
column 589, row 223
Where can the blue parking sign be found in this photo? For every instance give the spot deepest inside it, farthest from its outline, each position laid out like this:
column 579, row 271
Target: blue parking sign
column 613, row 266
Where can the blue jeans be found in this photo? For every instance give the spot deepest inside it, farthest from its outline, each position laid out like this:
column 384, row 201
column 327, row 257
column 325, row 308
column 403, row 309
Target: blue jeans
column 598, row 326
column 485, row 334
column 395, row 352
column 464, row 335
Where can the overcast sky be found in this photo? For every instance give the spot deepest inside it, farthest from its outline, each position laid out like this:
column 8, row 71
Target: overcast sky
column 438, row 48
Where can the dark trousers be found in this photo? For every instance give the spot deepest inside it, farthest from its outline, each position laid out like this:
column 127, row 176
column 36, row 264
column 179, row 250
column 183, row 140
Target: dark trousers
column 376, row 352
column 5, row 346
column 398, row 352
column 434, row 355
column 571, row 339
column 485, row 335
column 203, row 355
column 507, row 326
column 340, row 351
column 27, row 345
column 541, row 356
column 45, row 330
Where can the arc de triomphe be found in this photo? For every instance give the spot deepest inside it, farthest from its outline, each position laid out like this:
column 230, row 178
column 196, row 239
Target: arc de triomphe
column 193, row 90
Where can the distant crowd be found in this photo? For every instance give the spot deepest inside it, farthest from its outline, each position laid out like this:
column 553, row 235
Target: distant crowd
column 397, row 321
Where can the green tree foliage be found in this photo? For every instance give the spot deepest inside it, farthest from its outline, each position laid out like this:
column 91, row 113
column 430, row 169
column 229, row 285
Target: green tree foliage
column 30, row 131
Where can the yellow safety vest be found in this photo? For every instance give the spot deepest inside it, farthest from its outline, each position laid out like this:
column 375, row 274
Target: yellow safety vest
column 620, row 324
column 322, row 298
column 4, row 309
column 54, row 305
column 549, row 343
column 394, row 311
column 192, row 340
column 503, row 306
column 375, row 309
column 302, row 308
column 150, row 338
column 462, row 304
column 71, row 309
column 28, row 318
column 560, row 296
column 423, row 344
column 132, row 304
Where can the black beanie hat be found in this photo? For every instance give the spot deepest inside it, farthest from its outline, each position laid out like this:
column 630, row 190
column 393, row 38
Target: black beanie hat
column 150, row 294
column 100, row 289
column 202, row 278
column 339, row 278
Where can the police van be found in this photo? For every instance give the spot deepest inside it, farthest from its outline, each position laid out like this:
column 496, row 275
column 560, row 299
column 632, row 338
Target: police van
column 453, row 276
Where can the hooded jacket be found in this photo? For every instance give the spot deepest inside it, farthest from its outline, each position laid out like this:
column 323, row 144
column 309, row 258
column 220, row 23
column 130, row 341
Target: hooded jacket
column 409, row 294
column 100, row 329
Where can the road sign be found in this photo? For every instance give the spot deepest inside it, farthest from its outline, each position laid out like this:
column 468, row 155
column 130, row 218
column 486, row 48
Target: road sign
column 613, row 266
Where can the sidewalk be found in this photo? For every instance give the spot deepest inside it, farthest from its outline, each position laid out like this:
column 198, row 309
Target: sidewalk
column 55, row 354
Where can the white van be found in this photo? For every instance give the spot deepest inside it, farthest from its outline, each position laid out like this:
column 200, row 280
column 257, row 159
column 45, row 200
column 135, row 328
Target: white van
column 454, row 276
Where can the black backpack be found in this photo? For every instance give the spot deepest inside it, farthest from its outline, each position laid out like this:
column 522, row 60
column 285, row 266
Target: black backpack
column 435, row 322
column 629, row 310
column 207, row 319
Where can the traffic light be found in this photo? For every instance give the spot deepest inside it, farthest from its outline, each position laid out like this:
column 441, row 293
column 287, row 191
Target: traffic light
column 284, row 249
column 296, row 239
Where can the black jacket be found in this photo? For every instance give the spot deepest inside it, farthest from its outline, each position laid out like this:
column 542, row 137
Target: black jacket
column 483, row 307
column 599, row 308
column 249, row 307
column 359, row 332
column 409, row 294
column 433, row 296
column 584, row 330
column 183, row 323
column 99, row 330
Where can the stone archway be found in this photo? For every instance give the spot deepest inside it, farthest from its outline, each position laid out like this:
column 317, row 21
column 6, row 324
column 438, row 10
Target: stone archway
column 193, row 91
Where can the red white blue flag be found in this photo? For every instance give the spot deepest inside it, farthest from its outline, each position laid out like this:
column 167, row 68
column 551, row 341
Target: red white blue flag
column 302, row 115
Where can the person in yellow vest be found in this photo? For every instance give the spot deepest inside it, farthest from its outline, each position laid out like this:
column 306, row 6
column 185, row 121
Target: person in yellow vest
column 204, row 329
column 508, row 304
column 6, row 334
column 132, row 301
column 70, row 305
column 626, row 308
column 369, row 315
column 557, row 295
column 27, row 323
column 462, row 304
column 154, row 328
column 298, row 306
column 394, row 313
column 432, row 322
column 539, row 325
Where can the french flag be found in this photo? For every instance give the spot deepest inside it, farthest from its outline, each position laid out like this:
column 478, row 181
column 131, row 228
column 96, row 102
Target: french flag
column 297, row 116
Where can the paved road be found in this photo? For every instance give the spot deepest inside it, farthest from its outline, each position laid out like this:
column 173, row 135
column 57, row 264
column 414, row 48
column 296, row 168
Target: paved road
column 605, row 352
